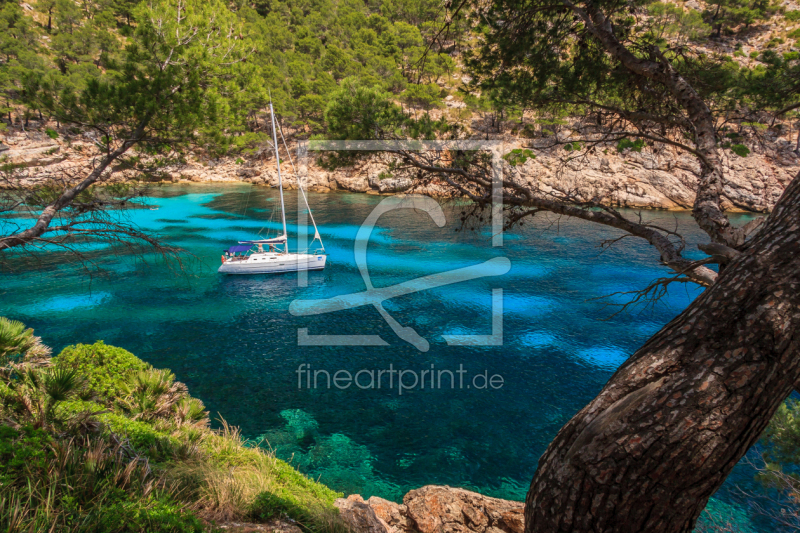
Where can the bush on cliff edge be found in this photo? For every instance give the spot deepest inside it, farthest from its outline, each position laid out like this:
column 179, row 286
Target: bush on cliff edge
column 95, row 439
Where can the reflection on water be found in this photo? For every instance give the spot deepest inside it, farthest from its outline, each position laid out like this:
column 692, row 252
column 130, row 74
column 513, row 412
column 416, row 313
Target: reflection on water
column 233, row 341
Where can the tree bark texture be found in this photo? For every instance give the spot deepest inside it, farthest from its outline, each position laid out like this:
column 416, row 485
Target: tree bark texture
column 672, row 422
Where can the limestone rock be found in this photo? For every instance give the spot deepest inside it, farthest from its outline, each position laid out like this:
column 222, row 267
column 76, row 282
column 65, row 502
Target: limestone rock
column 389, row 185
column 394, row 515
column 35, row 154
column 660, row 176
column 353, row 183
column 433, row 509
column 248, row 172
column 359, row 515
column 436, row 509
column 276, row 525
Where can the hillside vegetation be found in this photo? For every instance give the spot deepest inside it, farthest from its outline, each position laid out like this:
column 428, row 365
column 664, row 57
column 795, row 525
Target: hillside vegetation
column 302, row 52
column 97, row 440
column 297, row 51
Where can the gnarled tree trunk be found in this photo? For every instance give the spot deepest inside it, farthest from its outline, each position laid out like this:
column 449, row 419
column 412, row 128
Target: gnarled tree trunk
column 672, row 422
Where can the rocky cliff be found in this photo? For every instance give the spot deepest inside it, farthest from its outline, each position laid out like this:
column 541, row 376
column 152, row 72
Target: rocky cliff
column 658, row 176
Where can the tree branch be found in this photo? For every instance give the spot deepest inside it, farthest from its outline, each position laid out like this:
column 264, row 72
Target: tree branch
column 670, row 255
column 67, row 197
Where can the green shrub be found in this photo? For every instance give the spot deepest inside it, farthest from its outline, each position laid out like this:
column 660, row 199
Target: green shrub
column 781, row 439
column 625, row 143
column 519, row 156
column 141, row 435
column 753, row 55
column 791, row 56
column 234, row 477
column 792, row 16
column 155, row 514
column 775, row 41
column 528, row 131
column 60, row 479
column 53, row 134
column 461, row 114
column 268, row 506
column 107, row 368
column 23, row 449
column 740, row 150
column 298, row 497
column 738, row 53
column 572, row 146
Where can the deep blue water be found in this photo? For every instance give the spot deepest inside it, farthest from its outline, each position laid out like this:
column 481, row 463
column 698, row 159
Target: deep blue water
column 233, row 341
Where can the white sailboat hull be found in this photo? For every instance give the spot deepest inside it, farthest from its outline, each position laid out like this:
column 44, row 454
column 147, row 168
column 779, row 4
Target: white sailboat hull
column 272, row 263
column 277, row 260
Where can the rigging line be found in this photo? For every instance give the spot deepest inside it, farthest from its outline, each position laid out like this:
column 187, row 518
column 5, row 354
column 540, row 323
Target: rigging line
column 300, row 187
column 247, row 200
column 269, row 221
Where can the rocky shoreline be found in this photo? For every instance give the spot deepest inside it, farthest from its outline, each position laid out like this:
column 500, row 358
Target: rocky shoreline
column 430, row 509
column 433, row 509
column 657, row 177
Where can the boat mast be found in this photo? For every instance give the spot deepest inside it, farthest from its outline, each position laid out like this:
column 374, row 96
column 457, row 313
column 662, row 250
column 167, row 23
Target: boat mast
column 280, row 182
column 300, row 188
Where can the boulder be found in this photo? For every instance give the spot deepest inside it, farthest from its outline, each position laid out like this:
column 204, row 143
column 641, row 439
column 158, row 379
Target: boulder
column 248, row 172
column 390, row 185
column 353, row 183
column 436, row 509
column 359, row 515
column 394, row 515
column 433, row 509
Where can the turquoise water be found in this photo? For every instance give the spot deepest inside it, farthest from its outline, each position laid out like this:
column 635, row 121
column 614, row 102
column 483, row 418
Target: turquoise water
column 234, row 343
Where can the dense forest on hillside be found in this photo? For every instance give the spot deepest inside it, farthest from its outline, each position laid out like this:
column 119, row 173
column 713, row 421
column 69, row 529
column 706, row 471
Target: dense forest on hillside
column 301, row 52
column 297, row 51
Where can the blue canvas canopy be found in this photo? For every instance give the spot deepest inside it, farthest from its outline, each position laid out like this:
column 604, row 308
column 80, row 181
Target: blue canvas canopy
column 234, row 249
column 276, row 240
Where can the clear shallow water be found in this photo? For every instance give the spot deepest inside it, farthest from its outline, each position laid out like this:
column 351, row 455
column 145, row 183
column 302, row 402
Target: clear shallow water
column 233, row 341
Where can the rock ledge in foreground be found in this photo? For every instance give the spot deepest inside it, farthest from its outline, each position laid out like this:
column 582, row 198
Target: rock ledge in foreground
column 433, row 509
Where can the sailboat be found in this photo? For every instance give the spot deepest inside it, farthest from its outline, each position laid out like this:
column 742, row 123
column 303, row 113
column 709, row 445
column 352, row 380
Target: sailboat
column 272, row 256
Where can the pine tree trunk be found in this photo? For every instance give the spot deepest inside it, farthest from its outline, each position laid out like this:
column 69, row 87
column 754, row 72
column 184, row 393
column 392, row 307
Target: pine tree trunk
column 672, row 422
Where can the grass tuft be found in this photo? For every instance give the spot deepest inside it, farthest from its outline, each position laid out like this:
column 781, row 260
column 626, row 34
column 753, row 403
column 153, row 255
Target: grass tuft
column 96, row 440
